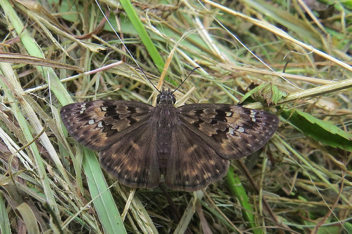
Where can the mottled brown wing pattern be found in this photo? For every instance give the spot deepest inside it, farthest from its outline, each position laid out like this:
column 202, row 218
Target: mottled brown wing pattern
column 193, row 164
column 232, row 131
column 98, row 124
column 133, row 161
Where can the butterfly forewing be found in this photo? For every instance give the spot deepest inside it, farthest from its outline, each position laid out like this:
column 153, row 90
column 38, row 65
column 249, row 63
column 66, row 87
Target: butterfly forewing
column 232, row 131
column 98, row 124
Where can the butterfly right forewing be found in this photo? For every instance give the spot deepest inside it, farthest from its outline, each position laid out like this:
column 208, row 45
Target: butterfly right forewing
column 232, row 131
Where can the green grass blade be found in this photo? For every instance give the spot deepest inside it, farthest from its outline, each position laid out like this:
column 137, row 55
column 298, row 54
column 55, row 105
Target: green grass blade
column 137, row 23
column 238, row 191
column 103, row 201
column 322, row 131
column 4, row 218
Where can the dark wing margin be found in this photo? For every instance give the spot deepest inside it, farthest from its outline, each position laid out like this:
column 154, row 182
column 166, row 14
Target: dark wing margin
column 193, row 164
column 133, row 160
column 232, row 131
column 98, row 124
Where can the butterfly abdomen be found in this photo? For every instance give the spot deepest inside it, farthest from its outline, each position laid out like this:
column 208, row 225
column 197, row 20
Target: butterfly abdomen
column 166, row 120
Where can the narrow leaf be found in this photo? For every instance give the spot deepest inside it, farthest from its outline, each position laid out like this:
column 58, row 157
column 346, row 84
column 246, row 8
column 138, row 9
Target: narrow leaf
column 319, row 130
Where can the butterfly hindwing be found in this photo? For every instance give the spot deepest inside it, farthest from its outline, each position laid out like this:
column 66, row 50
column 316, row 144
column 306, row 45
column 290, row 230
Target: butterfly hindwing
column 232, row 131
column 133, row 160
column 98, row 124
column 192, row 164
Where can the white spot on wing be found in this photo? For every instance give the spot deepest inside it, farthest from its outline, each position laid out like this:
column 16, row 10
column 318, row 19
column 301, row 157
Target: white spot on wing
column 91, row 121
column 231, row 131
column 100, row 124
column 83, row 108
column 252, row 115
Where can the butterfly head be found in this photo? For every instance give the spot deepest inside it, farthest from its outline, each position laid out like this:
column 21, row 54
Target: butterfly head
column 166, row 96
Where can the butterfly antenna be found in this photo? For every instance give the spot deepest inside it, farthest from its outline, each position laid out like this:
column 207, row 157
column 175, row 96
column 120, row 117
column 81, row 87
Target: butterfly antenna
column 186, row 78
column 124, row 45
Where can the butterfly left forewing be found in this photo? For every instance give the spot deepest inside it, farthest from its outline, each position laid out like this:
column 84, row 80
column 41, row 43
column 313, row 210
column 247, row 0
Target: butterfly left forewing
column 98, row 124
column 232, row 131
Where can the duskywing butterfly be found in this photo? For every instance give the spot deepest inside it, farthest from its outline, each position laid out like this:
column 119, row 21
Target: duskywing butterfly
column 190, row 145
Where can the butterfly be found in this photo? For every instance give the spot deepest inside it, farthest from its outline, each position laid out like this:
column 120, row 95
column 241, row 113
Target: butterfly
column 188, row 147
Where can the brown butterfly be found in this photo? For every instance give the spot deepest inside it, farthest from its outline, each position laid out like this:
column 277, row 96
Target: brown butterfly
column 190, row 146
